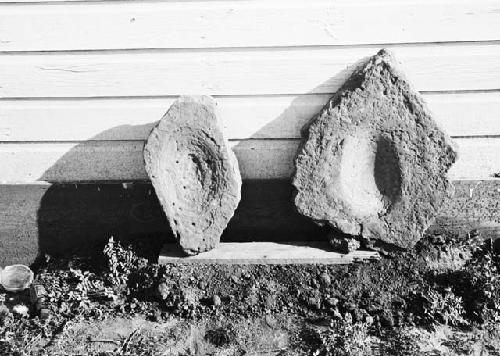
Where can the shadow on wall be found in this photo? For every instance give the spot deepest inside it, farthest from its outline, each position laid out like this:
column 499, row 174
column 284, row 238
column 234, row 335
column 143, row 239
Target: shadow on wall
column 79, row 218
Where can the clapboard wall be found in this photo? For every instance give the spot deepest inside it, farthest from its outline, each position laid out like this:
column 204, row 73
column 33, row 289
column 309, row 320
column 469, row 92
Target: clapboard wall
column 83, row 82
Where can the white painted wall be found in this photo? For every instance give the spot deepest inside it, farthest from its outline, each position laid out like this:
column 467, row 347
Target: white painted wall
column 82, row 82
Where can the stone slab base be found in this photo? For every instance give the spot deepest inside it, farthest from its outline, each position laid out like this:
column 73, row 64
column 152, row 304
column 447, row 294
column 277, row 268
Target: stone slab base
column 267, row 253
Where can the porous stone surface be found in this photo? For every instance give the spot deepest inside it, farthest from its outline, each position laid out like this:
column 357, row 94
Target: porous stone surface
column 194, row 173
column 373, row 163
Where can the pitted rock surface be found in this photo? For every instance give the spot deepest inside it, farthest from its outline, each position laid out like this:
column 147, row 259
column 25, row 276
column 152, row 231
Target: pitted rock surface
column 373, row 163
column 194, row 173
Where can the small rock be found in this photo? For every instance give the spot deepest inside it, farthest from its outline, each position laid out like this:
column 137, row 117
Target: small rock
column 155, row 315
column 359, row 314
column 369, row 319
column 474, row 233
column 163, row 290
column 202, row 285
column 38, row 296
column 270, row 301
column 350, row 306
column 271, row 321
column 190, row 296
column 333, row 302
column 21, row 309
column 220, row 337
column 216, row 301
column 4, row 312
column 325, row 279
column 44, row 313
column 337, row 314
column 314, row 302
column 343, row 244
column 348, row 318
column 438, row 240
column 386, row 319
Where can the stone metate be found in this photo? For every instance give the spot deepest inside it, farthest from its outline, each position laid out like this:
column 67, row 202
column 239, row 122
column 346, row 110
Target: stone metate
column 194, row 173
column 373, row 163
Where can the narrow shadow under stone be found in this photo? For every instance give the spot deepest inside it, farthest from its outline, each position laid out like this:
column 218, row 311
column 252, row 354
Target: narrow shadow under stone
column 387, row 172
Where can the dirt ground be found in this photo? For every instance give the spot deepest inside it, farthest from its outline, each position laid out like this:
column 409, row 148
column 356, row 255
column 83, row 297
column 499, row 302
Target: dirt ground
column 441, row 298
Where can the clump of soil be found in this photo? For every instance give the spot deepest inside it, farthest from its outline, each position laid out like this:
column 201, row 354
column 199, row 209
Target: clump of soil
column 446, row 289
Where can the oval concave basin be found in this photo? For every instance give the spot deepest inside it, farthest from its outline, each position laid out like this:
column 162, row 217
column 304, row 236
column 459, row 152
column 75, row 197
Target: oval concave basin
column 195, row 175
column 370, row 175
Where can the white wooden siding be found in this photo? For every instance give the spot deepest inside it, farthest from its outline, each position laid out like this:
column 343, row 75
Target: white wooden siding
column 258, row 159
column 82, row 82
column 258, row 23
column 461, row 115
column 239, row 72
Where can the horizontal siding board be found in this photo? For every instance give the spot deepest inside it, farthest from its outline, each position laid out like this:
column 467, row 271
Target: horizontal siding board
column 205, row 24
column 258, row 159
column 467, row 114
column 255, row 72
